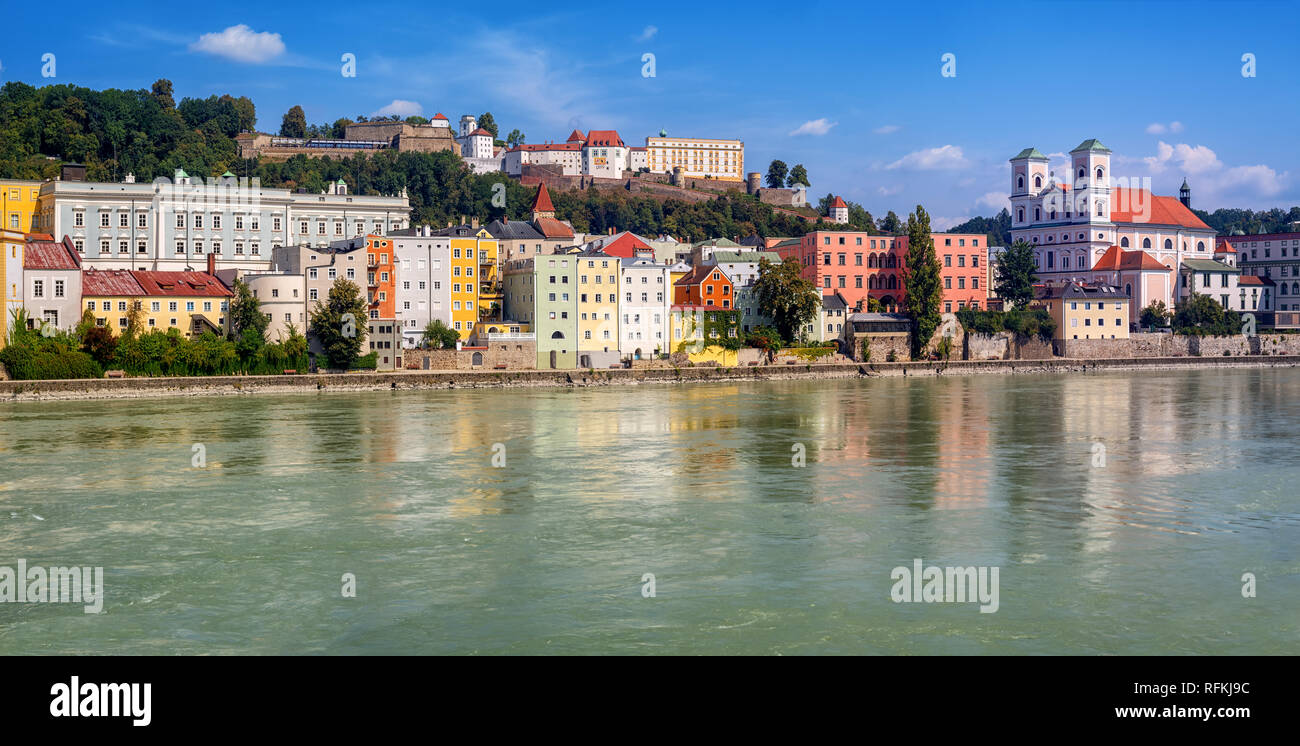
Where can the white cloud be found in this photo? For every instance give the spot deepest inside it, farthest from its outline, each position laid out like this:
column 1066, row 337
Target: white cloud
column 814, row 127
column 1156, row 128
column 939, row 225
column 996, row 200
column 932, row 159
column 1214, row 183
column 242, row 44
column 887, row 129
column 1191, row 159
column 649, row 33
column 889, row 191
column 400, row 108
column 536, row 79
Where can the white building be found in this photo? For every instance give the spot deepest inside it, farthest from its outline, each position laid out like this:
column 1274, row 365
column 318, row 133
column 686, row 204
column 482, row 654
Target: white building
column 604, row 154
column 423, row 272
column 170, row 225
column 698, row 157
column 643, row 305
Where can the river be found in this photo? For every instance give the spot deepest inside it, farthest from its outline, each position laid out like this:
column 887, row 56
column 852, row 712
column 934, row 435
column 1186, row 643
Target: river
column 1121, row 510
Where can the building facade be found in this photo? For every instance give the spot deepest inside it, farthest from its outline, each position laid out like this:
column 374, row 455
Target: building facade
column 423, row 282
column 51, row 283
column 645, row 295
column 598, row 309
column 542, row 292
column 698, row 157
column 1272, row 256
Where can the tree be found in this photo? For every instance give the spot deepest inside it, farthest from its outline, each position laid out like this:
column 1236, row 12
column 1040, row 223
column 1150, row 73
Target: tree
column 1155, row 315
column 891, row 224
column 786, row 297
column 162, row 93
column 515, row 138
column 340, row 324
column 416, row 119
column 294, row 123
column 1015, row 274
column 247, row 323
column 776, row 173
column 1201, row 315
column 487, row 122
column 921, row 282
column 439, row 336
column 798, row 175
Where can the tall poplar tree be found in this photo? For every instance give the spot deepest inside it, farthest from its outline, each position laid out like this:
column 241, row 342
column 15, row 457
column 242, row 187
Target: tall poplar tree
column 921, row 279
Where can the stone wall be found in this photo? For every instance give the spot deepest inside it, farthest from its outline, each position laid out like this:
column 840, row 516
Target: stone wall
column 1178, row 345
column 987, row 346
column 880, row 346
column 514, row 355
column 4, row 374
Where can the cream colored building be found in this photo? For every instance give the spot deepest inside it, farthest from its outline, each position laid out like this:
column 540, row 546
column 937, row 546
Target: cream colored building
column 698, row 157
column 1085, row 311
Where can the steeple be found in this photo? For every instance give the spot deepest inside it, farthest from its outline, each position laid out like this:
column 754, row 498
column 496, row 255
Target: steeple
column 1185, row 195
column 542, row 207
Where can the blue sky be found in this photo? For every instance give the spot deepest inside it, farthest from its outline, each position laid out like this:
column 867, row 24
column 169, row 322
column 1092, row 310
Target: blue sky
column 852, row 91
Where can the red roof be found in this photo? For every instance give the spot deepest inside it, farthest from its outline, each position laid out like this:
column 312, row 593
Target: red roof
column 439, row 116
column 1225, row 248
column 549, row 146
column 838, row 203
column 542, row 202
column 604, row 139
column 1140, row 206
column 186, row 284
column 625, row 246
column 552, row 228
column 480, row 132
column 1116, row 259
column 46, row 254
column 1253, row 280
column 108, row 283
column 576, row 136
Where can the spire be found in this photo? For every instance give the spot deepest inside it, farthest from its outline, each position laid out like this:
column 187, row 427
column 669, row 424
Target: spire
column 1185, row 194
column 542, row 207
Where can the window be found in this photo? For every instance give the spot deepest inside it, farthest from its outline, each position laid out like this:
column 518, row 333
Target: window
column 38, row 289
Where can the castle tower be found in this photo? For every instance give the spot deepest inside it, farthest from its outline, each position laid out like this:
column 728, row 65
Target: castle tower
column 542, row 207
column 839, row 211
column 468, row 123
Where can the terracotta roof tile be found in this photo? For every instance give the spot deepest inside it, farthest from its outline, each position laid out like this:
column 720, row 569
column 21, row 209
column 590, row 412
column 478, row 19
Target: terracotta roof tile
column 1116, row 259
column 47, row 254
column 1140, row 206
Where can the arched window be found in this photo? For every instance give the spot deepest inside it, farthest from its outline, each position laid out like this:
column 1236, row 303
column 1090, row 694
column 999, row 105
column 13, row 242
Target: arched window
column 557, row 335
column 1020, row 215
column 871, row 260
column 1101, row 208
column 1038, row 213
column 1082, row 173
column 1168, row 244
column 1038, row 182
column 1295, row 288
column 893, row 261
column 1020, row 182
column 476, row 359
column 1146, row 243
column 1283, row 289
column 893, row 282
column 1128, row 290
column 1200, row 246
column 1123, row 242
column 1099, row 172
column 1051, row 215
column 871, row 282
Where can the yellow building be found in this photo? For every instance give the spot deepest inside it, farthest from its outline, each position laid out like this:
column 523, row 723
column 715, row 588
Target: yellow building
column 1085, row 311
column 598, row 337
column 19, row 200
column 191, row 302
column 698, row 157
column 11, row 278
column 475, row 276
column 687, row 331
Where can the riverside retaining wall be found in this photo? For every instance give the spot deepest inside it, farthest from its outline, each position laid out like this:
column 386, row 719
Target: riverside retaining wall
column 126, row 388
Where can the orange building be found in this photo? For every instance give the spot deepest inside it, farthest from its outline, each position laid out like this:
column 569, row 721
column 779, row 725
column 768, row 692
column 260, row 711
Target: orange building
column 381, row 277
column 705, row 285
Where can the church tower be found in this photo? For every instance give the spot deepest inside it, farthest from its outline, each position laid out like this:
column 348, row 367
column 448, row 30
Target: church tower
column 1185, row 194
column 1090, row 174
column 1028, row 180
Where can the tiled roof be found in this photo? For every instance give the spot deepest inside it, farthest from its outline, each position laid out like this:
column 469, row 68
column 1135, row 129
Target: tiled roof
column 544, row 147
column 1116, row 259
column 480, row 132
column 512, row 230
column 576, row 136
column 604, row 139
column 107, row 283
column 1159, row 210
column 47, row 254
column 1253, row 280
column 1092, row 144
column 834, row 302
column 181, row 283
column 1077, row 290
column 439, row 115
column 838, row 203
column 552, row 228
column 542, row 202
column 1224, row 248
column 1029, row 153
column 739, row 257
column 625, row 245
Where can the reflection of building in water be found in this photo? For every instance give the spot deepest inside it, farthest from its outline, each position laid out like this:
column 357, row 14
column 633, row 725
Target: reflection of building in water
column 963, row 461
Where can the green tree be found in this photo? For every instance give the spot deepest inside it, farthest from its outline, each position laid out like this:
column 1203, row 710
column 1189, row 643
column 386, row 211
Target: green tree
column 247, row 323
column 1155, row 315
column 776, row 173
column 515, row 138
column 489, row 123
column 798, row 175
column 162, row 93
column 417, row 119
column 340, row 324
column 1014, row 276
column 439, row 336
column 1201, row 315
column 921, row 281
column 786, row 297
column 294, row 123
column 891, row 224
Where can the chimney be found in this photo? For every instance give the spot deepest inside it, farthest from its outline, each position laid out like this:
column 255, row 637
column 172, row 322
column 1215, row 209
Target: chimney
column 473, row 223
column 212, row 264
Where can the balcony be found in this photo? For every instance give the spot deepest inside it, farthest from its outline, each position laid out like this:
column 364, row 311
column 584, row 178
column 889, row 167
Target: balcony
column 512, row 337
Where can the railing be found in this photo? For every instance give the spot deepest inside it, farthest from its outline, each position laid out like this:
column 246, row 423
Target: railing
column 511, row 336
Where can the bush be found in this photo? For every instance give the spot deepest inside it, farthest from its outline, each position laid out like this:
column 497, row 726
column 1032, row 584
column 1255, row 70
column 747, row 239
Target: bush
column 367, row 362
column 1026, row 322
column 31, row 362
